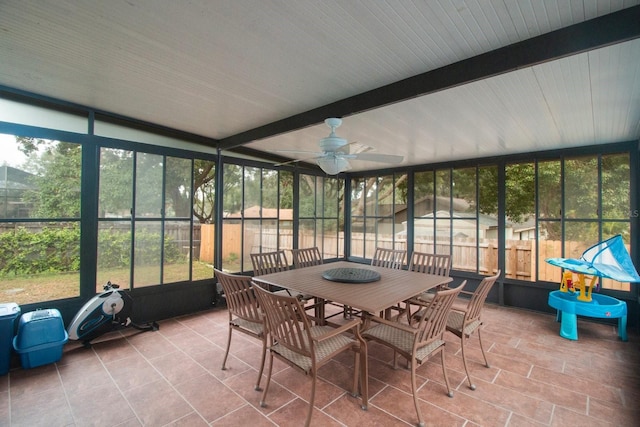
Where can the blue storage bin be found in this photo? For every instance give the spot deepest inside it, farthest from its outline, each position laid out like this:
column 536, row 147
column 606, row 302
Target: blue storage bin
column 41, row 337
column 9, row 312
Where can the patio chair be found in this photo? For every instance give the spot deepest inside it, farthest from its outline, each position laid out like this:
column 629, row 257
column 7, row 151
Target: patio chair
column 418, row 344
column 309, row 257
column 305, row 347
column 430, row 263
column 306, row 257
column 388, row 258
column 426, row 263
column 465, row 320
column 274, row 262
column 244, row 314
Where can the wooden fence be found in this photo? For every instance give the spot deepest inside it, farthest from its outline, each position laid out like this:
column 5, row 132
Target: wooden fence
column 521, row 261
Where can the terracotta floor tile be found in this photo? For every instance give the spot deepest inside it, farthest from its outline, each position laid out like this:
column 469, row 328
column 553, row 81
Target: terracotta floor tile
column 133, row 371
column 99, row 406
column 48, row 408
column 511, row 400
column 244, row 416
column 294, row 413
column 177, row 367
column 400, row 405
column 116, row 349
column 190, row 420
column 563, row 417
column 589, row 387
column 574, row 400
column 157, row 403
column 191, row 342
column 465, row 404
column 211, row 398
column 348, row 411
column 300, row 385
column 5, row 408
column 30, row 382
column 173, row 377
column 151, row 344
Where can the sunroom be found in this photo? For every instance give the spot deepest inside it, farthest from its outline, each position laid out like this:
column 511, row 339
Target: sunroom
column 146, row 144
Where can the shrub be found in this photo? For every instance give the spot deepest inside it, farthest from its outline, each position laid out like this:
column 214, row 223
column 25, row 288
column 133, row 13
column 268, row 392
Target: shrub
column 56, row 249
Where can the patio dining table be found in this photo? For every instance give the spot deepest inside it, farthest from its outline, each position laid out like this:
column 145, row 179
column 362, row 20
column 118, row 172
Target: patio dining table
column 367, row 288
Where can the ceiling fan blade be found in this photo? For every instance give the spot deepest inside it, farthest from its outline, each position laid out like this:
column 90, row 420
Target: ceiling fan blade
column 286, row 163
column 373, row 157
column 315, row 153
column 354, row 147
column 316, row 156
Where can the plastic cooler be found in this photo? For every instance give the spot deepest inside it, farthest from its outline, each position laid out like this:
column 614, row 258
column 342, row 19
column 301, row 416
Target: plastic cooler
column 9, row 312
column 41, row 336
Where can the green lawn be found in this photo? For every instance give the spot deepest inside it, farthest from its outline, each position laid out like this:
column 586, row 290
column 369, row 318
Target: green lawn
column 53, row 286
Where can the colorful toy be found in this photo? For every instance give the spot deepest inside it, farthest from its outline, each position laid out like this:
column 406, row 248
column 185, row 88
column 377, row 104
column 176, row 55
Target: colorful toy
column 609, row 259
column 569, row 308
column 580, row 285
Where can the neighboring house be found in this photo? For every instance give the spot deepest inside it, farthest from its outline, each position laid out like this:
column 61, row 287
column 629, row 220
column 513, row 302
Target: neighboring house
column 13, row 183
column 466, row 227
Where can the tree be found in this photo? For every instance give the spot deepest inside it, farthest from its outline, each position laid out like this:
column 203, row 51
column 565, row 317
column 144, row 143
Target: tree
column 204, row 190
column 56, row 168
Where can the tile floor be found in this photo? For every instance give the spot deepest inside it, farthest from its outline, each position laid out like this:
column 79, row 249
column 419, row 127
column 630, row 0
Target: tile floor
column 172, row 377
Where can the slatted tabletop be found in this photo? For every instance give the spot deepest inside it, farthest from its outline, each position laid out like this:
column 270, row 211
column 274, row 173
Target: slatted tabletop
column 393, row 287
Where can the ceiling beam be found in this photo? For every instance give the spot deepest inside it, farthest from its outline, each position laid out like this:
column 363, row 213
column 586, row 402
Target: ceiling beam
column 596, row 33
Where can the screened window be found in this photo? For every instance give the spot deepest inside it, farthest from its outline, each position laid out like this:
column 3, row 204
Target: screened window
column 584, row 200
column 144, row 226
column 455, row 214
column 204, row 210
column 321, row 208
column 40, row 181
column 378, row 214
column 258, row 214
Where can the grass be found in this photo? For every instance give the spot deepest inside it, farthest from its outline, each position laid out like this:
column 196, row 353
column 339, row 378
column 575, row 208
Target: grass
column 53, row 286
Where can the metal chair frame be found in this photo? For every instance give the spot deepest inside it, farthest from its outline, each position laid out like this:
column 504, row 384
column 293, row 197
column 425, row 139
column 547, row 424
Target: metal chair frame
column 418, row 344
column 464, row 321
column 306, row 347
column 244, row 314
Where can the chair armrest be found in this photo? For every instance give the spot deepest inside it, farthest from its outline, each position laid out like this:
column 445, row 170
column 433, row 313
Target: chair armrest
column 419, row 301
column 354, row 323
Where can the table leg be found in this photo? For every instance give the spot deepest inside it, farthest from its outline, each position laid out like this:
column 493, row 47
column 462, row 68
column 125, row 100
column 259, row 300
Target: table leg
column 568, row 325
column 320, row 312
column 366, row 320
column 622, row 327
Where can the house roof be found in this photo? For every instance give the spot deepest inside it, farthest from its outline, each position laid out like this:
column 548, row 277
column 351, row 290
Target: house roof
column 14, row 179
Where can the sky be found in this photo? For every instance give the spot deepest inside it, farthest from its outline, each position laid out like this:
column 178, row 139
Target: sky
column 9, row 153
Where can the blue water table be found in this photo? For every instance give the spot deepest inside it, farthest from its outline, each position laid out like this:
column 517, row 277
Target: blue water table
column 608, row 258
column 601, row 306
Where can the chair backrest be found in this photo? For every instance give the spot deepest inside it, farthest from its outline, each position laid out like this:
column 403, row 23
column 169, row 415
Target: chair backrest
column 241, row 300
column 389, row 258
column 306, row 257
column 474, row 307
column 286, row 321
column 269, row 262
column 433, row 324
column 430, row 263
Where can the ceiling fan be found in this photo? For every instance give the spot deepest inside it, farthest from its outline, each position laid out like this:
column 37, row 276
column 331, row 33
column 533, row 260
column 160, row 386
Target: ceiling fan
column 335, row 152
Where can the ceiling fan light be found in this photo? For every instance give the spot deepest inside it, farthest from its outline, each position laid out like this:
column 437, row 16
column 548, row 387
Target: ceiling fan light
column 333, row 165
